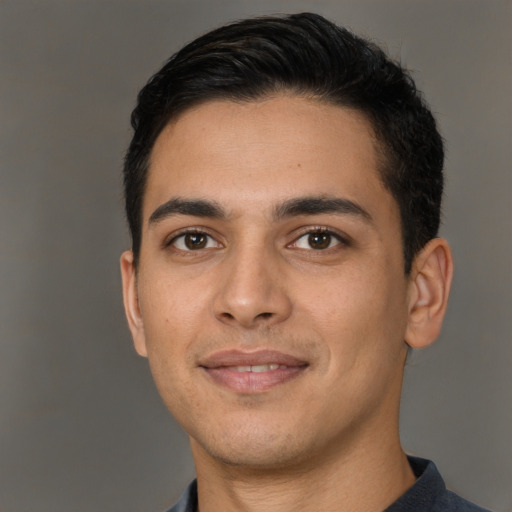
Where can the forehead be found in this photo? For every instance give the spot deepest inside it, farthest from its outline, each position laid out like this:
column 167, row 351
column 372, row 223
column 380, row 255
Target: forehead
column 256, row 154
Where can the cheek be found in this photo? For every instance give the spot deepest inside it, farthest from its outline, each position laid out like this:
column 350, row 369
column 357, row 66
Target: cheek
column 361, row 312
column 171, row 308
column 170, row 325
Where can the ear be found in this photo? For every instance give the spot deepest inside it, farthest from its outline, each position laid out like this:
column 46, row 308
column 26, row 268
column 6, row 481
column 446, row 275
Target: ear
column 429, row 288
column 131, row 302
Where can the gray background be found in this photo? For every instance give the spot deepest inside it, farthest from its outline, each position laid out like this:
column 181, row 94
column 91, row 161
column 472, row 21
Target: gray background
column 81, row 425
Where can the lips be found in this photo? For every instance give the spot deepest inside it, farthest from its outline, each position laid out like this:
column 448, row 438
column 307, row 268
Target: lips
column 252, row 372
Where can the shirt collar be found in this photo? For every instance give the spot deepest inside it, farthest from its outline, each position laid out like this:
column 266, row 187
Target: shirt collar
column 424, row 492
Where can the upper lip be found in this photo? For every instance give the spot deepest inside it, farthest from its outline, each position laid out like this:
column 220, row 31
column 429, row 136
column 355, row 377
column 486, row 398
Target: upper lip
column 227, row 358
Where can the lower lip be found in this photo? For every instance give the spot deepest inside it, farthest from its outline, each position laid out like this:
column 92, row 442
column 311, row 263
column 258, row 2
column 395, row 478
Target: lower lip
column 253, row 382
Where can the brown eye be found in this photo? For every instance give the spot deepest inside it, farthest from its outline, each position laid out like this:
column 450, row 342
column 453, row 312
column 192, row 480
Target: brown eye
column 195, row 241
column 319, row 240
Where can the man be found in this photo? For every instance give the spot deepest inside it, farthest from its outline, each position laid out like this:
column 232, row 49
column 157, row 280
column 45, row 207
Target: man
column 283, row 191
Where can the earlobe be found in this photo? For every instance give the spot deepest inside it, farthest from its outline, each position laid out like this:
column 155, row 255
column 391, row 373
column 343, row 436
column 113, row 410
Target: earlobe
column 430, row 284
column 131, row 302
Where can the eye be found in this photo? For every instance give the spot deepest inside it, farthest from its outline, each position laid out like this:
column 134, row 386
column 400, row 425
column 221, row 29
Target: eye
column 317, row 240
column 194, row 241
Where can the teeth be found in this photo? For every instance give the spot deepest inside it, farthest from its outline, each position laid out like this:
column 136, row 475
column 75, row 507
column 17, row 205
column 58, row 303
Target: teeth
column 242, row 368
column 256, row 368
column 264, row 367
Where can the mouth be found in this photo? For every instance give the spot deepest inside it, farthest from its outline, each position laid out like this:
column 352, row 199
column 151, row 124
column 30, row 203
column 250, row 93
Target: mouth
column 252, row 372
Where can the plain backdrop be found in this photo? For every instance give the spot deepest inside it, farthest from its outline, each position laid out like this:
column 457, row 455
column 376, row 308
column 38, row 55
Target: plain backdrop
column 81, row 425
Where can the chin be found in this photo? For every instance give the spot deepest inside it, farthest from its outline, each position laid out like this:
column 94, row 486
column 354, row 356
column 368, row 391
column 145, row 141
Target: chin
column 254, row 448
column 257, row 460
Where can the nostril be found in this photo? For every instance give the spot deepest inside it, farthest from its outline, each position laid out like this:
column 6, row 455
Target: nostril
column 264, row 315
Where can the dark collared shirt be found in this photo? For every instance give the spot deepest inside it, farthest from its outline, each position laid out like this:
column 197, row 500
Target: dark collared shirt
column 428, row 494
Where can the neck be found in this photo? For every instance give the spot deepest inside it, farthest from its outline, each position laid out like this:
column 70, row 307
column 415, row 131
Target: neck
column 368, row 477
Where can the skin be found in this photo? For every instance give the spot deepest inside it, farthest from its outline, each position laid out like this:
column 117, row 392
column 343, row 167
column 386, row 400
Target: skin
column 327, row 289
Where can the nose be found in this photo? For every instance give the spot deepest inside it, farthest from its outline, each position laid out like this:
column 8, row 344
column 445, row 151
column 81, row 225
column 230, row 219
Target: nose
column 252, row 291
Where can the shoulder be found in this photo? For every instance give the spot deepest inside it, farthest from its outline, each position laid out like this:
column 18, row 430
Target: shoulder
column 429, row 493
column 188, row 500
column 449, row 501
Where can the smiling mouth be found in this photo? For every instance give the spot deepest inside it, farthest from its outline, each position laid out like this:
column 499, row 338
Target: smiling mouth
column 253, row 372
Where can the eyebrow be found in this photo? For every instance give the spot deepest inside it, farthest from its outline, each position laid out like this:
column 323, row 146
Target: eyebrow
column 317, row 205
column 310, row 205
column 193, row 207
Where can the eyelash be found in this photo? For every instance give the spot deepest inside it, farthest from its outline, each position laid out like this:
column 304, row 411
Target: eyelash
column 189, row 231
column 310, row 231
column 322, row 230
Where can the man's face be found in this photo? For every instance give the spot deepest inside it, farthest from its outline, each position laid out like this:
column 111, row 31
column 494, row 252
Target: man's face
column 270, row 297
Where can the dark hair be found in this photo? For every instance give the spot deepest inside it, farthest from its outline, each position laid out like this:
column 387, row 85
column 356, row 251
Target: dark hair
column 307, row 55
